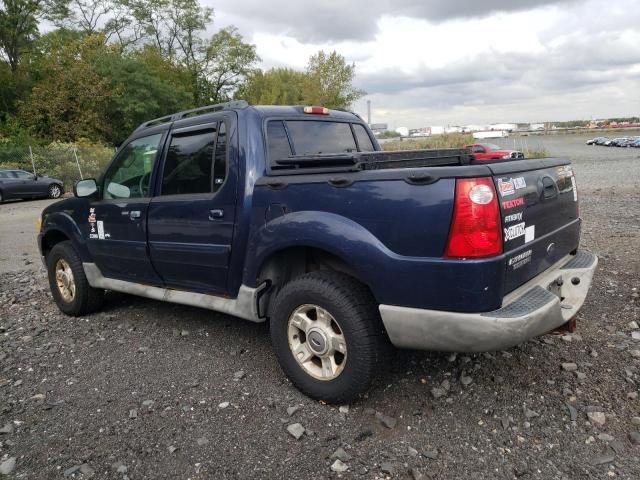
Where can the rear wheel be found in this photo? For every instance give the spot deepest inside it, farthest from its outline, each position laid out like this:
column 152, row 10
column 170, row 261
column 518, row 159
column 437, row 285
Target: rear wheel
column 55, row 191
column 68, row 283
column 1, row 198
column 328, row 336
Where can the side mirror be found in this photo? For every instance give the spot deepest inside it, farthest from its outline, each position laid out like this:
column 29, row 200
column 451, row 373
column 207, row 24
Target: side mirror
column 85, row 188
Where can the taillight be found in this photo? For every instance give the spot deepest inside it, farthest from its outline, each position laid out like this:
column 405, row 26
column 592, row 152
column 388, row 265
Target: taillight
column 475, row 228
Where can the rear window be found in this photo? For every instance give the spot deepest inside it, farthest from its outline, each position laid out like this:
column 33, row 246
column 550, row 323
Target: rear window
column 364, row 141
column 286, row 138
column 278, row 142
column 312, row 138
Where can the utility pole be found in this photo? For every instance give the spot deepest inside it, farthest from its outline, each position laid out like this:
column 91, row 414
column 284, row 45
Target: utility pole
column 75, row 154
column 33, row 164
column 369, row 112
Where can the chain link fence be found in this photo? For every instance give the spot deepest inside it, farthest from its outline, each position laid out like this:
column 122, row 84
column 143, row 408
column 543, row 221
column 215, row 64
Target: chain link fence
column 68, row 162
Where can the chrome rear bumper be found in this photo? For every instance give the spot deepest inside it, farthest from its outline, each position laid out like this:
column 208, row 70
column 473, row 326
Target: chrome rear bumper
column 527, row 312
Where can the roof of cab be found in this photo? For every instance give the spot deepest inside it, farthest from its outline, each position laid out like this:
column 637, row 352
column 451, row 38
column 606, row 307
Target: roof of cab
column 263, row 110
column 284, row 110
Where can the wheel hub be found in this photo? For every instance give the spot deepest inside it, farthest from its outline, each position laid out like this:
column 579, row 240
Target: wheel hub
column 317, row 342
column 65, row 281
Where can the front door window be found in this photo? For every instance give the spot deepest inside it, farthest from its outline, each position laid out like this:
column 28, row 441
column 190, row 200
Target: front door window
column 129, row 175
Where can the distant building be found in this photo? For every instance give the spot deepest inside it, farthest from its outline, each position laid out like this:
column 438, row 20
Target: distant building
column 536, row 126
column 509, row 127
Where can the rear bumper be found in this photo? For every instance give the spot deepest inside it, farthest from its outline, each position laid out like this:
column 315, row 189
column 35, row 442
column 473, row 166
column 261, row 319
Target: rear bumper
column 533, row 309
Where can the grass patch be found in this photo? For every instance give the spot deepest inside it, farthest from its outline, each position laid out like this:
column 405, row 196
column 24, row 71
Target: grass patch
column 437, row 142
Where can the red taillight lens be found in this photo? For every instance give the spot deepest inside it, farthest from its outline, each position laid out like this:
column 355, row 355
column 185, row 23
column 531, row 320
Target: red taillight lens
column 475, row 228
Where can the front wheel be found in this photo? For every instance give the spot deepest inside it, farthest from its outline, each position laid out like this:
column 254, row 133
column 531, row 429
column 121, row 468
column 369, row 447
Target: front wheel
column 327, row 334
column 55, row 191
column 68, row 283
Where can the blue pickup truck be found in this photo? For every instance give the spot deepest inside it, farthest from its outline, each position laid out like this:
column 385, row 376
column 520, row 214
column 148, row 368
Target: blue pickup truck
column 293, row 215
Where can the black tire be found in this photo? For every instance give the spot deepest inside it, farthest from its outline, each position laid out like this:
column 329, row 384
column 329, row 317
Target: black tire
column 1, row 197
column 55, row 191
column 353, row 307
column 86, row 299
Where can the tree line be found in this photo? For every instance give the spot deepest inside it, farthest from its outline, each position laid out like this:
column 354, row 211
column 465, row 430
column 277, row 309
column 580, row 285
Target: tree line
column 95, row 69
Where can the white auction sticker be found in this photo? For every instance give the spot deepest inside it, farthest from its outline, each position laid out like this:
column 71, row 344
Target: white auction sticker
column 100, row 230
column 529, row 233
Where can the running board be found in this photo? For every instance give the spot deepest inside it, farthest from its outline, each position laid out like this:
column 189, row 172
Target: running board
column 244, row 306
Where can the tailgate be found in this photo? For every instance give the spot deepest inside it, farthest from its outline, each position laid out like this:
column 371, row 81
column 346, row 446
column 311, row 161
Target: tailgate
column 539, row 206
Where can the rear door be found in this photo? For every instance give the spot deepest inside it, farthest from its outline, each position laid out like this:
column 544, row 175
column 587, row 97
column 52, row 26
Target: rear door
column 539, row 205
column 116, row 223
column 191, row 221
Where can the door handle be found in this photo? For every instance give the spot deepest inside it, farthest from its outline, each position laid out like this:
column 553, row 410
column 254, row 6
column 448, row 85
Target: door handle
column 134, row 214
column 216, row 214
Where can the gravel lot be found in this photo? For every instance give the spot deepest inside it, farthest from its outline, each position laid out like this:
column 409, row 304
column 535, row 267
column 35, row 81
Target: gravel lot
column 151, row 390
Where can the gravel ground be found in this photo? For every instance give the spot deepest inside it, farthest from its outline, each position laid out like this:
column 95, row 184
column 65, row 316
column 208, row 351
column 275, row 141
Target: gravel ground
column 151, row 390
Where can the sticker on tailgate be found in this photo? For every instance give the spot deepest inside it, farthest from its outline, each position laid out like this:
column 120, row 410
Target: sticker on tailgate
column 509, row 187
column 514, row 231
column 520, row 230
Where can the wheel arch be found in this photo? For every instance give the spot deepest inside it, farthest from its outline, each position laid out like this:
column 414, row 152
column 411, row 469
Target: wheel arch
column 51, row 238
column 60, row 226
column 302, row 242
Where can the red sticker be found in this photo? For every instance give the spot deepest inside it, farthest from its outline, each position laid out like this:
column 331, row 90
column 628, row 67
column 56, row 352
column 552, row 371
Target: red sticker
column 516, row 202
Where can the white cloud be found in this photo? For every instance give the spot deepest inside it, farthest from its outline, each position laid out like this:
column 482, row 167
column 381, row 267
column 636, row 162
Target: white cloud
column 424, row 63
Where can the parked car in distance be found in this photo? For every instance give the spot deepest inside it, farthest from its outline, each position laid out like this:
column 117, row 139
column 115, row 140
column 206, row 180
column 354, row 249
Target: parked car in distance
column 635, row 143
column 596, row 141
column 602, row 140
column 20, row 184
column 489, row 151
column 294, row 216
column 617, row 142
column 627, row 142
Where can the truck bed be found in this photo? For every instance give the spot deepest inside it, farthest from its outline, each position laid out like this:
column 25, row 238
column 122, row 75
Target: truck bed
column 407, row 209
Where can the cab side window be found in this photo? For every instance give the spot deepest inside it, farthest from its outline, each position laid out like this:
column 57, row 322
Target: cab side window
column 196, row 161
column 130, row 173
column 187, row 168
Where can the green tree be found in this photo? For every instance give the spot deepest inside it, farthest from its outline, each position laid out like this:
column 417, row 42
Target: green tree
column 139, row 93
column 228, row 61
column 69, row 99
column 329, row 81
column 278, row 86
column 18, row 28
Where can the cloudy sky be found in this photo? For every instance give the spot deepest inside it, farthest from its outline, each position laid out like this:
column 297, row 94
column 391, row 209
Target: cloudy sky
column 441, row 62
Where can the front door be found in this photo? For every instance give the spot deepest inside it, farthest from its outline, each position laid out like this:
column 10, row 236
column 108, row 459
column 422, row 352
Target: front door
column 191, row 218
column 117, row 229
column 26, row 184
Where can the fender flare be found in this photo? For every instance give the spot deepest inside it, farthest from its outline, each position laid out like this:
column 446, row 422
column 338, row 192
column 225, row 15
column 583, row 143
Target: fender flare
column 351, row 242
column 63, row 222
